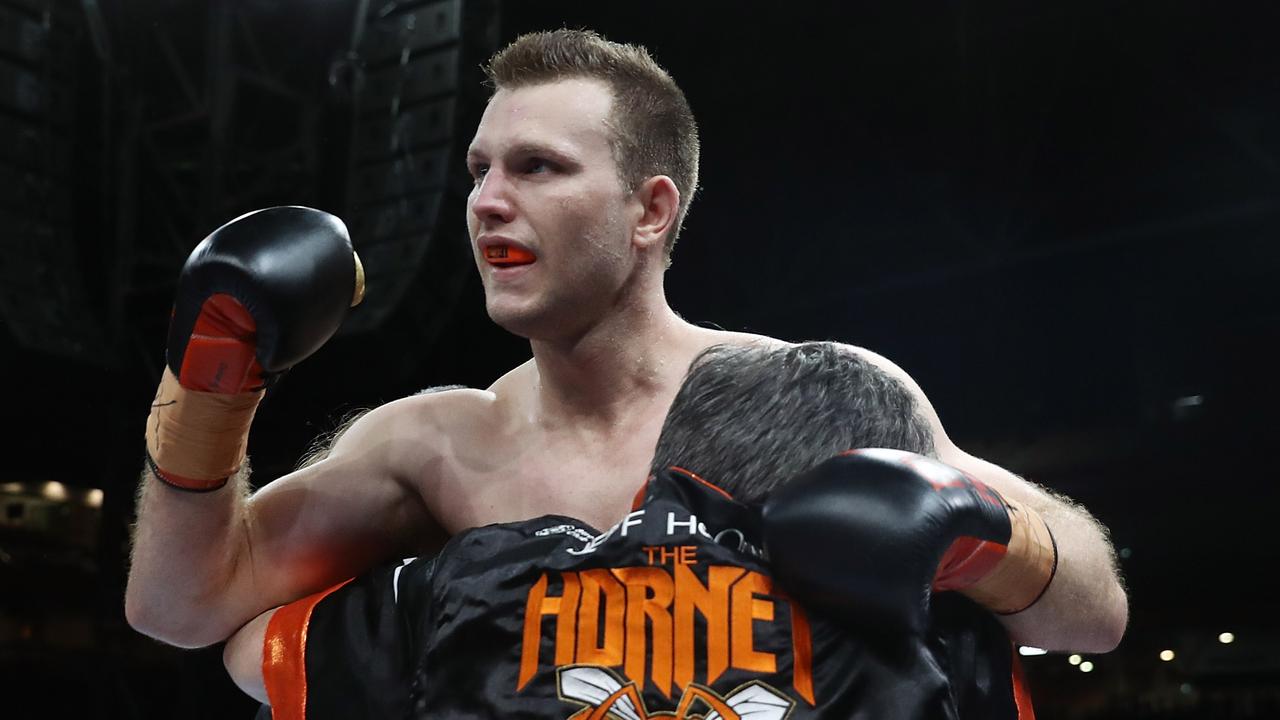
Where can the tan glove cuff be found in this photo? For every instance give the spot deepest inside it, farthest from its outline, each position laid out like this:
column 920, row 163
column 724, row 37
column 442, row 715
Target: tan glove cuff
column 196, row 440
column 1023, row 575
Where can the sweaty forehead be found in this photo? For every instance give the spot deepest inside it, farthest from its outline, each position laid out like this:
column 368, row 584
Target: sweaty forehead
column 570, row 116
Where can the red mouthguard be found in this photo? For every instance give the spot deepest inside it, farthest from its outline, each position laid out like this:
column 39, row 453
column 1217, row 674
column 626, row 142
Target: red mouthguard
column 507, row 255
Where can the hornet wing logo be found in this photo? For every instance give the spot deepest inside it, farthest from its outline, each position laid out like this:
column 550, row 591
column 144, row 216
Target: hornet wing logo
column 606, row 697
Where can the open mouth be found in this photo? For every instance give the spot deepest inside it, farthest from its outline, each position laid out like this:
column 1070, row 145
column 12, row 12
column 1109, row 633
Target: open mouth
column 507, row 256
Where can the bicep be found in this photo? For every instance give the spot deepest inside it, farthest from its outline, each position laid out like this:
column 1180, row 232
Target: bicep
column 335, row 518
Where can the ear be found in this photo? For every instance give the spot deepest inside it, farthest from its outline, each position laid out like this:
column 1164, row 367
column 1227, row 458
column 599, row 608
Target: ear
column 658, row 201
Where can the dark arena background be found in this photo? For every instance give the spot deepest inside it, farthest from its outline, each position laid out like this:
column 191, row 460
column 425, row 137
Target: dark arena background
column 1060, row 217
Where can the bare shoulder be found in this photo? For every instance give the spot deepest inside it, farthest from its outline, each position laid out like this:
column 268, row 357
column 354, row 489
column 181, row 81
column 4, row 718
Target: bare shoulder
column 409, row 431
column 709, row 337
column 893, row 370
column 514, row 385
column 436, row 411
column 883, row 363
column 942, row 442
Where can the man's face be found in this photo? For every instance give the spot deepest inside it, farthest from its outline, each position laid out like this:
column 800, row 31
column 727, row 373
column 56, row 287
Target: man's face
column 548, row 197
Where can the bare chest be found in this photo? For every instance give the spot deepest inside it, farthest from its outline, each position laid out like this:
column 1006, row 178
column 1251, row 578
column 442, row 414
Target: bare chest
column 592, row 479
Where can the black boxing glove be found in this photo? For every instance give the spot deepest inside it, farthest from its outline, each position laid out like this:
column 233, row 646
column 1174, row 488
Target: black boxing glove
column 257, row 296
column 868, row 536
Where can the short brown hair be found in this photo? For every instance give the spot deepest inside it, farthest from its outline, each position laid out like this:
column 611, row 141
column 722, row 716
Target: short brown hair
column 751, row 417
column 654, row 132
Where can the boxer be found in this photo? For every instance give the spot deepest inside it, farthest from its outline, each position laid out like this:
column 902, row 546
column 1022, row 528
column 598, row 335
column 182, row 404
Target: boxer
column 585, row 163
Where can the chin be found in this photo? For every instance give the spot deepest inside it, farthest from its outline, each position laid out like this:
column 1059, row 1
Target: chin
column 533, row 323
column 521, row 321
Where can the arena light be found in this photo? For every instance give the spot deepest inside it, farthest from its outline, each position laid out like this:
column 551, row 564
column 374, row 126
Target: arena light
column 1167, row 655
column 93, row 498
column 1028, row 651
column 1226, row 638
column 1074, row 659
column 54, row 490
column 1086, row 666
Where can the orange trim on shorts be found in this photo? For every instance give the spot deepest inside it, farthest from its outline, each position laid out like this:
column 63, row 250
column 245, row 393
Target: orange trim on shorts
column 1021, row 695
column 284, row 656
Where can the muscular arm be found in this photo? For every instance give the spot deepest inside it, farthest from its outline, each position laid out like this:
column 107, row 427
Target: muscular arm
column 1085, row 608
column 206, row 563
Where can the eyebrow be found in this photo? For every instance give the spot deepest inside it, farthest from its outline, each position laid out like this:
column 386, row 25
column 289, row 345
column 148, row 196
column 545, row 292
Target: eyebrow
column 529, row 148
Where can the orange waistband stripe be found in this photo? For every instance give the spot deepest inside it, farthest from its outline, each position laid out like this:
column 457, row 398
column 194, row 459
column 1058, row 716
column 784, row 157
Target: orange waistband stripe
column 284, row 656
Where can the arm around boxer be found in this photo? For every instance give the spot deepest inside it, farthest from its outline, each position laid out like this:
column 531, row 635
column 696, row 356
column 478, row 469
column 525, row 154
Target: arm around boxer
column 1084, row 608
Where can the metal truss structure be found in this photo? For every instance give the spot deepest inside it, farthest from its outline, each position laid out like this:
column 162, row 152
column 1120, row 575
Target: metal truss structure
column 134, row 130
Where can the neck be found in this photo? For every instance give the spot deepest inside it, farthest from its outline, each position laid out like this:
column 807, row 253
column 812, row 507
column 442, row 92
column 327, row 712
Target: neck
column 630, row 356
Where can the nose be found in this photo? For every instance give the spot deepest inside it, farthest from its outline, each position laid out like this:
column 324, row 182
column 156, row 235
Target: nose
column 490, row 199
